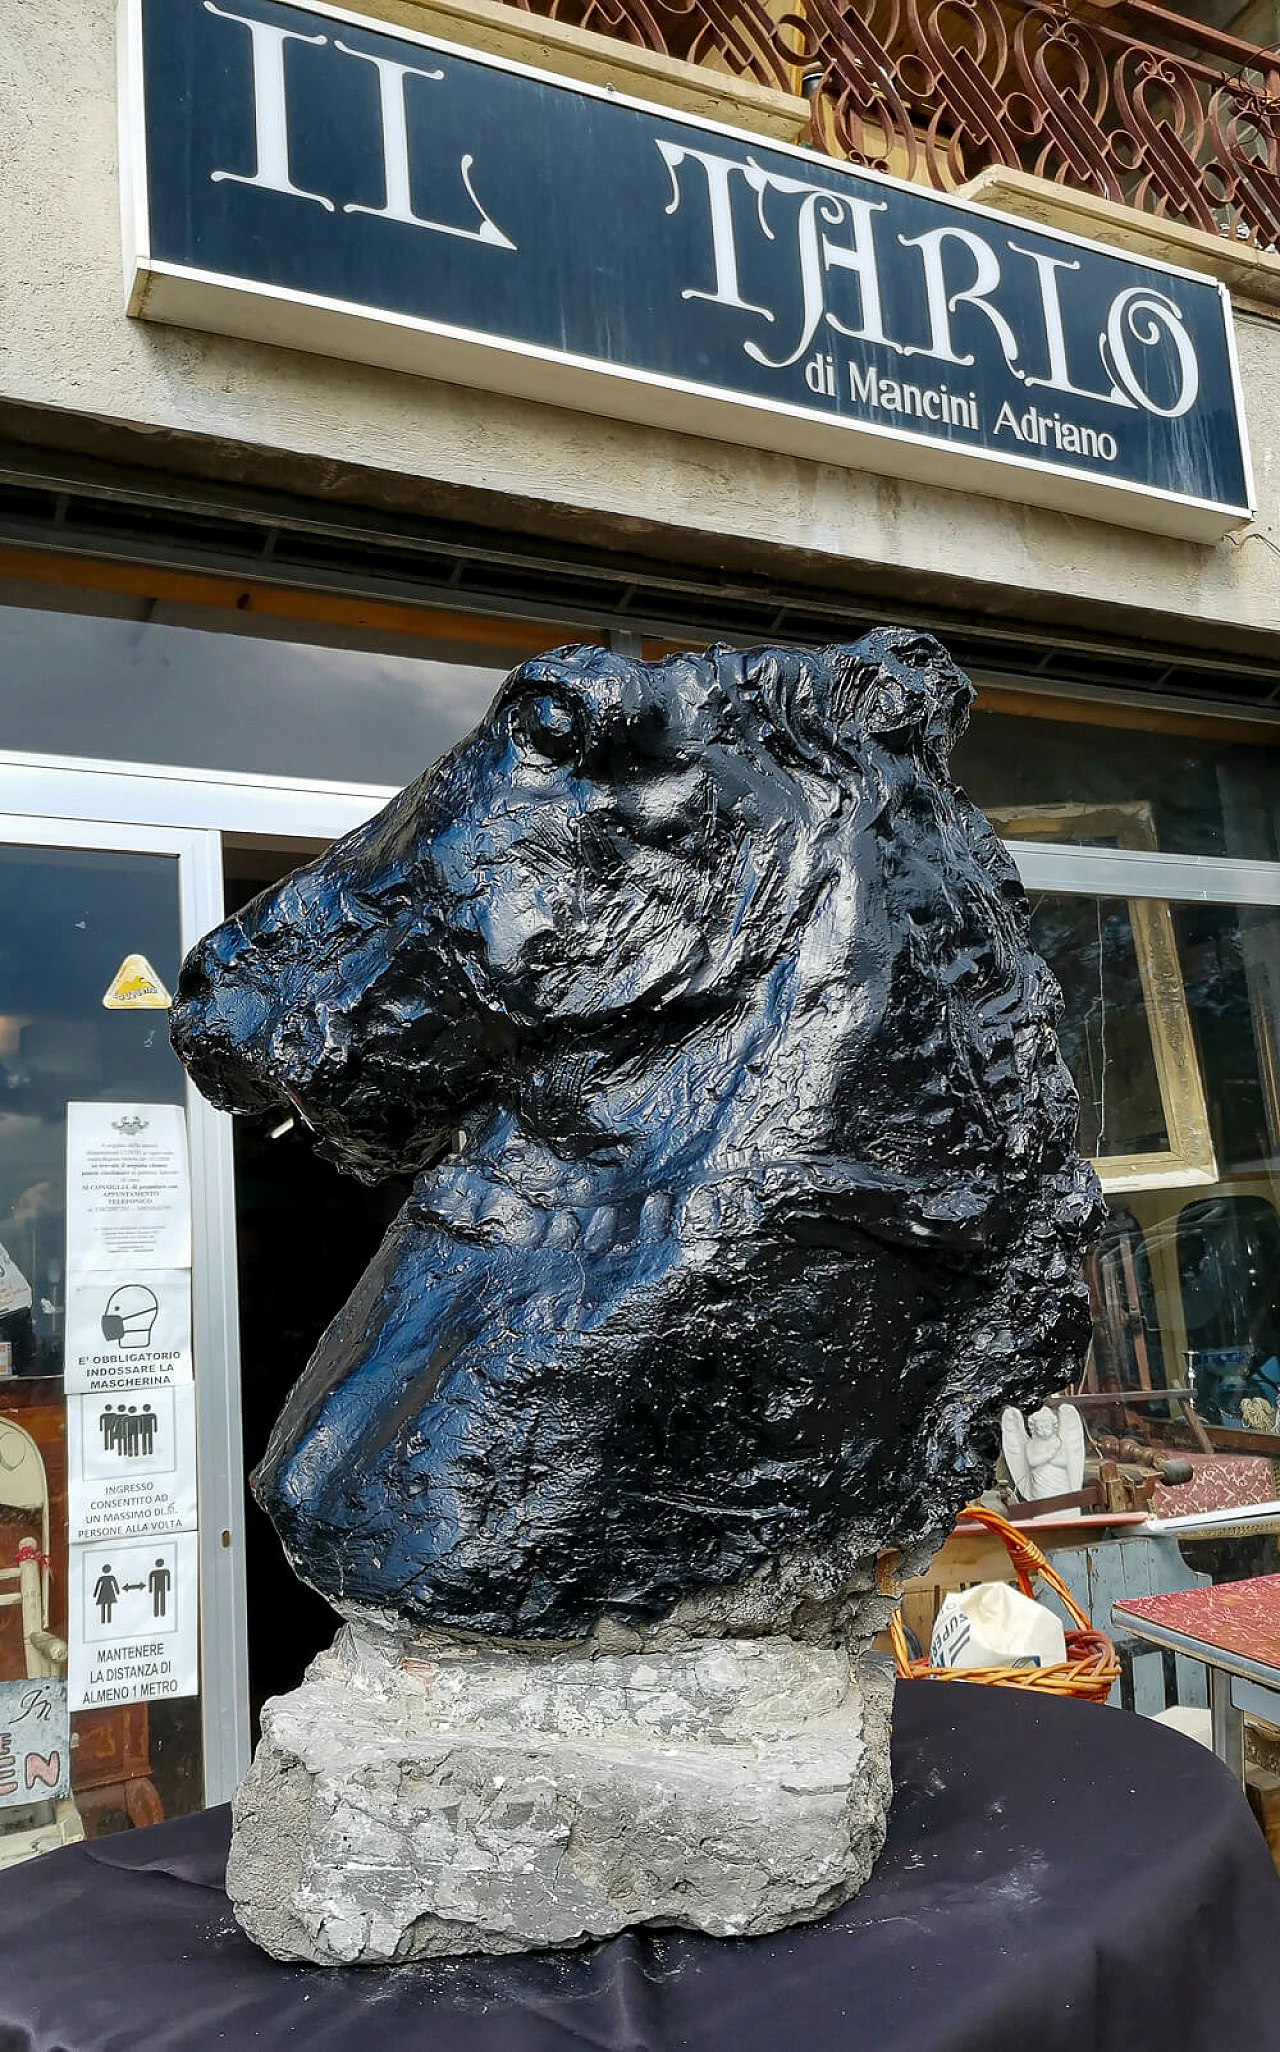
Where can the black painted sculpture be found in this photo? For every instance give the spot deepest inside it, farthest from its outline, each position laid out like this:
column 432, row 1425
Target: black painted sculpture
column 699, row 999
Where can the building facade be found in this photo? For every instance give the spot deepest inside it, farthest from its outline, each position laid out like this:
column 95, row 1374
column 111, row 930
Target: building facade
column 277, row 515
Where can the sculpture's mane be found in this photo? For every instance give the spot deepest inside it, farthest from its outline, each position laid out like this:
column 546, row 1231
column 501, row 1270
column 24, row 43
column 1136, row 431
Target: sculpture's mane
column 970, row 1122
column 952, row 1130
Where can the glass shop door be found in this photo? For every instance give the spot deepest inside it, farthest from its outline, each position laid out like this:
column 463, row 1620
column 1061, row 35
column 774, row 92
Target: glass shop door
column 122, row 1695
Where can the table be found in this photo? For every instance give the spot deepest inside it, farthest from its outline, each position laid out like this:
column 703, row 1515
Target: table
column 1234, row 1629
column 1058, row 1876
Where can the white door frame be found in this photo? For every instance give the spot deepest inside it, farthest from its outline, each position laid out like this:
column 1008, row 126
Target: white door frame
column 72, row 787
column 224, row 1695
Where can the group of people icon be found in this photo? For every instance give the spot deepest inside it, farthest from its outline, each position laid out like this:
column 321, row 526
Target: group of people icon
column 108, row 1588
column 128, row 1431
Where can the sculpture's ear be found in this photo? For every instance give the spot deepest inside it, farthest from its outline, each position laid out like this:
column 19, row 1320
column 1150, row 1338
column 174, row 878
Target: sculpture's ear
column 909, row 694
column 895, row 687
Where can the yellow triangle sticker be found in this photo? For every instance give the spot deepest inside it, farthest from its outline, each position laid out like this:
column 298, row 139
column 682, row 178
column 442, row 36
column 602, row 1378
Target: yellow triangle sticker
column 135, row 987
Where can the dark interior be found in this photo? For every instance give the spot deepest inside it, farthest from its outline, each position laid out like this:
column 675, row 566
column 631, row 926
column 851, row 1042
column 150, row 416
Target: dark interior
column 305, row 1232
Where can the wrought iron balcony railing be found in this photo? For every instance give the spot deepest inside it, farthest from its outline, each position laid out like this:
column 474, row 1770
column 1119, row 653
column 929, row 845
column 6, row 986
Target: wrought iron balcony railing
column 1128, row 101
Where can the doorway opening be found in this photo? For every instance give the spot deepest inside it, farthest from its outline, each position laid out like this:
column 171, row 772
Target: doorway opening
column 305, row 1233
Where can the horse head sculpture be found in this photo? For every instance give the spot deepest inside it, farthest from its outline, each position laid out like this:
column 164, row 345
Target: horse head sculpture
column 698, row 999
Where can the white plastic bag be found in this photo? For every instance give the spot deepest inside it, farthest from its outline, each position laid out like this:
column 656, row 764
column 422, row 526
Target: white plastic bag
column 994, row 1625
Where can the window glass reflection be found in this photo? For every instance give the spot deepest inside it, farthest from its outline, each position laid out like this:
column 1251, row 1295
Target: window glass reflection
column 141, row 691
column 1170, row 1032
column 1194, row 792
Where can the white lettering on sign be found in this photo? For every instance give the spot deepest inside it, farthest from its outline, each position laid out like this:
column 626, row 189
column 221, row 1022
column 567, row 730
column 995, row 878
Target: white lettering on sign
column 817, row 254
column 1162, row 319
column 393, row 82
column 1059, row 377
column 1137, row 315
column 929, row 402
column 273, row 168
column 718, row 172
column 270, row 108
column 1051, row 431
column 943, row 299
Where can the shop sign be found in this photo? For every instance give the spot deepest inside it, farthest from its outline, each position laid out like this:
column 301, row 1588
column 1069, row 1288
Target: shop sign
column 304, row 177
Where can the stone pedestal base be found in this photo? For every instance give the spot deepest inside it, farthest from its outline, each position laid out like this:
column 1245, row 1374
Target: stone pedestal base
column 412, row 1801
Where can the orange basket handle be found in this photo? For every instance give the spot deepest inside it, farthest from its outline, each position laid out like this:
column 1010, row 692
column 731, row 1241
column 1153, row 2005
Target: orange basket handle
column 1027, row 1561
column 898, row 1643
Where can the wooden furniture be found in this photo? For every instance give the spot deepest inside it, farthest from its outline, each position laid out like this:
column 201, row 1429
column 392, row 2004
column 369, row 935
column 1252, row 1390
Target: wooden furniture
column 111, row 1767
column 971, row 1553
column 1090, row 1670
column 30, row 1828
column 1233, row 1629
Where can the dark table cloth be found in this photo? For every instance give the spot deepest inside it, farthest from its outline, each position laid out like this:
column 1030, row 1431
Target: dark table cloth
column 1057, row 1877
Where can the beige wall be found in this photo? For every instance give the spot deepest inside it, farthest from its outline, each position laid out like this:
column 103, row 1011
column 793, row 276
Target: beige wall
column 69, row 358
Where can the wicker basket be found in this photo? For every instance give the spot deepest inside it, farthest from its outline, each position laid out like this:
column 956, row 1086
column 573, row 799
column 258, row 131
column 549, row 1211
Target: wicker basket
column 1091, row 1666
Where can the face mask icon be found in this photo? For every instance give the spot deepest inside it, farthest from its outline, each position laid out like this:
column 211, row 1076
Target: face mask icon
column 129, row 1316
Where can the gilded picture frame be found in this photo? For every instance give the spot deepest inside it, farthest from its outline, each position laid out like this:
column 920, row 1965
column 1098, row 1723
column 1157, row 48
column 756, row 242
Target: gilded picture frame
column 1190, row 1158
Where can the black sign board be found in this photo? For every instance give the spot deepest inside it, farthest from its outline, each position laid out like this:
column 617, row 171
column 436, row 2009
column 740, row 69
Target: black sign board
column 305, row 177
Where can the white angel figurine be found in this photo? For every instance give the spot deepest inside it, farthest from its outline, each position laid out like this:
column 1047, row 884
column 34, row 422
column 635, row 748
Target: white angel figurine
column 1047, row 1460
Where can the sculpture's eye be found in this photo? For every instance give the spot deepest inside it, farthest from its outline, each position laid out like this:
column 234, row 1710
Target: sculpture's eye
column 919, row 654
column 547, row 726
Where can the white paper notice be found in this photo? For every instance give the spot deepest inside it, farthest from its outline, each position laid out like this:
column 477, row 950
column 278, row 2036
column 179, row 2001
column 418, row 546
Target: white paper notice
column 127, row 1188
column 128, row 1329
column 131, row 1463
column 133, row 1613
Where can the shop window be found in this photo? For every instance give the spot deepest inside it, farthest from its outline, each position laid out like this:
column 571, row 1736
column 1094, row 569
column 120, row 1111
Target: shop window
column 202, row 696
column 1229, row 1274
column 1128, row 1038
column 1170, row 1032
column 1170, row 1021
column 1161, row 780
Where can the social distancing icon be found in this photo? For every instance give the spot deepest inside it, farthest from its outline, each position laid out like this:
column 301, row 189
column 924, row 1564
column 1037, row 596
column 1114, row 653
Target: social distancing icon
column 134, row 1621
column 129, row 1591
column 108, row 1590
